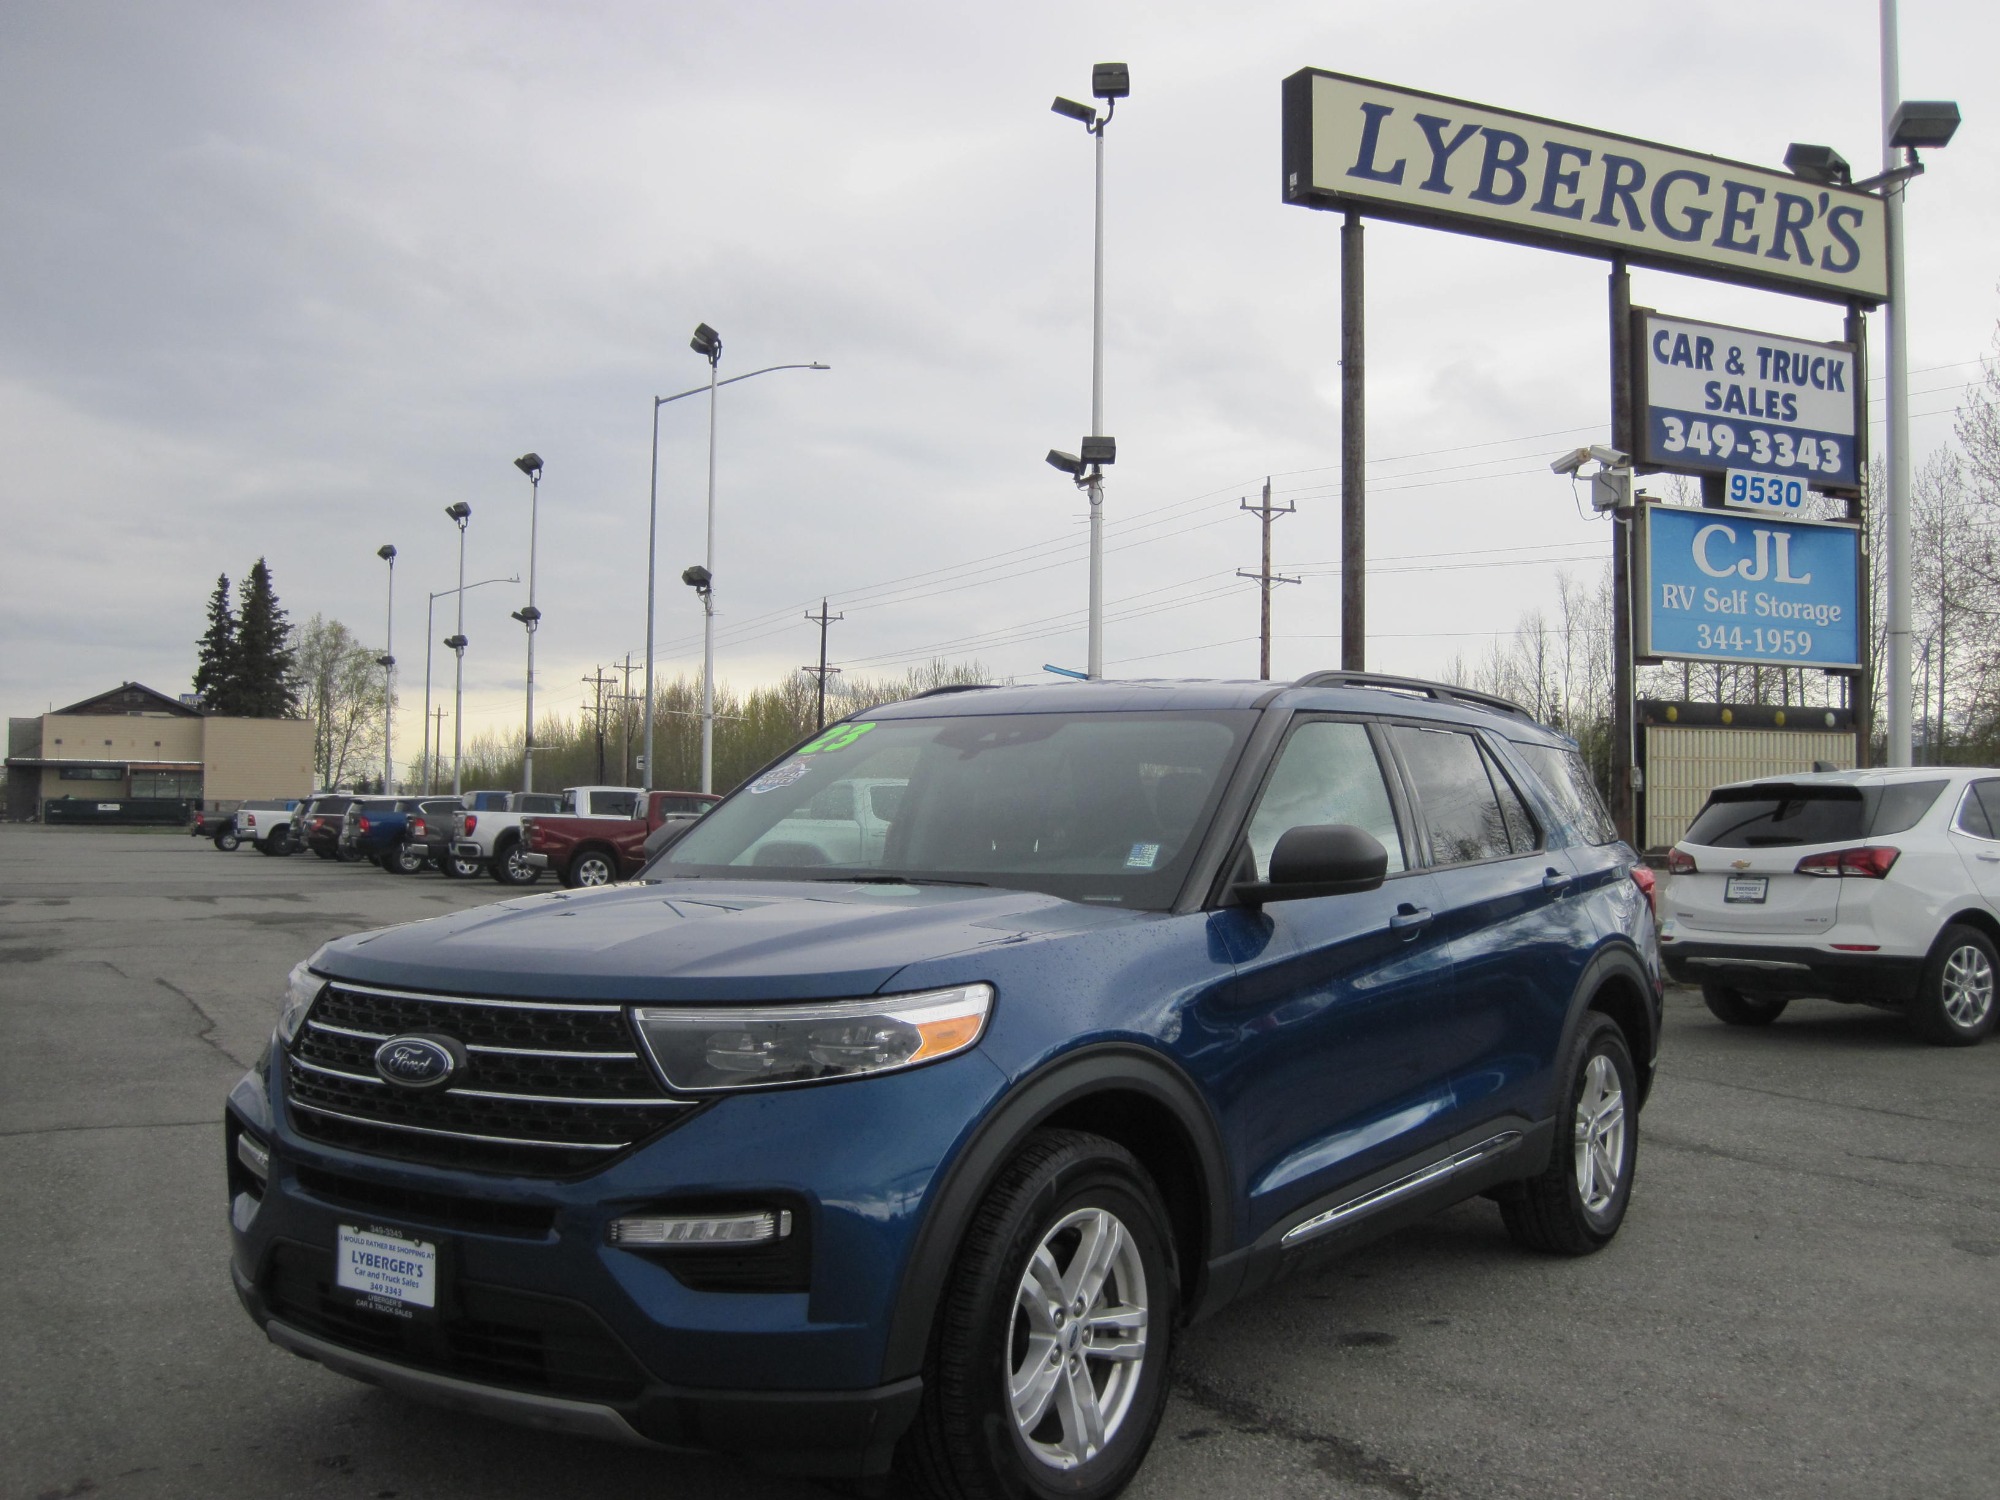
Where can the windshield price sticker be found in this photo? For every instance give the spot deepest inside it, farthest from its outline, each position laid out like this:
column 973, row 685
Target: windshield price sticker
column 1745, row 490
column 1725, row 586
column 837, row 738
column 1722, row 399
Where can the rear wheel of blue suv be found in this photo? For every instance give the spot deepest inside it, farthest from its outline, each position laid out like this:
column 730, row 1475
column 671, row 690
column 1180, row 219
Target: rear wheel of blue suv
column 905, row 1108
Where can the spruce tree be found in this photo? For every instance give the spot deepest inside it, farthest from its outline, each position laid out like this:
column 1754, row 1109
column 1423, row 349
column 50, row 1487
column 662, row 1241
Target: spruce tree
column 215, row 668
column 264, row 687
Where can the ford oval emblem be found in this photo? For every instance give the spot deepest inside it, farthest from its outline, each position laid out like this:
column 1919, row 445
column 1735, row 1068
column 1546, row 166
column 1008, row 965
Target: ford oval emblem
column 418, row 1062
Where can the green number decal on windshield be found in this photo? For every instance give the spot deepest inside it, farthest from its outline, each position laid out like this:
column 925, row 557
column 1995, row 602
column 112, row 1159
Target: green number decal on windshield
column 837, row 738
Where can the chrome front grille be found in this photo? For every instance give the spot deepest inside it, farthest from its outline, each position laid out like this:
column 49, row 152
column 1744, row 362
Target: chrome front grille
column 550, row 1088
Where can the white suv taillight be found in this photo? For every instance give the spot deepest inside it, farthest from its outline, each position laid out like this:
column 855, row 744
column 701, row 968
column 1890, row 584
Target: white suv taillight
column 1680, row 862
column 1872, row 862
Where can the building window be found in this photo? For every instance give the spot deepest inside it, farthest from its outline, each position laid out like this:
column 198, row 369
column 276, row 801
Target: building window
column 92, row 773
column 175, row 785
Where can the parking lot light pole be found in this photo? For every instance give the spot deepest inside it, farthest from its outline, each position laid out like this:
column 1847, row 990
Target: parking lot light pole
column 460, row 513
column 387, row 662
column 653, row 524
column 531, row 617
column 1109, row 82
column 428, row 765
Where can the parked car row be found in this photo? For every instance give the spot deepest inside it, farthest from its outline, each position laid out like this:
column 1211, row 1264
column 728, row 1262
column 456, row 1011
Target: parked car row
column 589, row 835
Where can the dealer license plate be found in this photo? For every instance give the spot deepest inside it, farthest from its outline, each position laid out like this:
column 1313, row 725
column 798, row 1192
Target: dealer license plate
column 386, row 1270
column 1751, row 888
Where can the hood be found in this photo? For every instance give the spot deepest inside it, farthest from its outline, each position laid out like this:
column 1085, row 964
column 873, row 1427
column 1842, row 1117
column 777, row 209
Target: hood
column 726, row 941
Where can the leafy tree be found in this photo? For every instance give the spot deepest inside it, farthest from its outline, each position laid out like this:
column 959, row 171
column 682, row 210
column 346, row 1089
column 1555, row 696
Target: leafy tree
column 263, row 683
column 215, row 668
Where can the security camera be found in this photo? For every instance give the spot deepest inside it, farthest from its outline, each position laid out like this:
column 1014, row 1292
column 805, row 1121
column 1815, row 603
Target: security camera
column 1611, row 458
column 1571, row 461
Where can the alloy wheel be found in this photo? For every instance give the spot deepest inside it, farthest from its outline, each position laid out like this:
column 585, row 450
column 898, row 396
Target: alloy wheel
column 1968, row 987
column 1600, row 1134
column 1078, row 1344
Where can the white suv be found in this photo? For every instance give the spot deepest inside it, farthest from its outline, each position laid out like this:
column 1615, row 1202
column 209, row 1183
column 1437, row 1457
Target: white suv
column 1876, row 887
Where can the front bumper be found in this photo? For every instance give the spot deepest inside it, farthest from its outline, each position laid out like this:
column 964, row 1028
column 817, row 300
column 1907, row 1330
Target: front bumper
column 1797, row 972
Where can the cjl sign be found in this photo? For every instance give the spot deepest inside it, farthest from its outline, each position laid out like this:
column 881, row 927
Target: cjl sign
column 1717, row 399
column 1722, row 586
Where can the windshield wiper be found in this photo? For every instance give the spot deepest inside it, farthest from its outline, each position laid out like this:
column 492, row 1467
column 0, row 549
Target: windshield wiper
column 891, row 880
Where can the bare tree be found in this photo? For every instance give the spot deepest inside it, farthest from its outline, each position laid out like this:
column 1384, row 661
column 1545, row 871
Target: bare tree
column 342, row 693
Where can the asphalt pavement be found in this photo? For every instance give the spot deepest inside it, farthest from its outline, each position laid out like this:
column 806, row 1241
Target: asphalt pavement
column 1803, row 1301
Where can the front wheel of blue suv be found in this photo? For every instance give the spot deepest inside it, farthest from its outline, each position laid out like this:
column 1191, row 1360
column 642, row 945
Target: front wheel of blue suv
column 1048, row 1366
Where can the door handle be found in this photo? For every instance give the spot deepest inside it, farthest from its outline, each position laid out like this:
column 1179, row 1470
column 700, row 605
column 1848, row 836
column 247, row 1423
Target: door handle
column 1554, row 879
column 1410, row 920
column 1991, row 859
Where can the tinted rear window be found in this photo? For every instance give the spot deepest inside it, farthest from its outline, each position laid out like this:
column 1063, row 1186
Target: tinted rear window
column 1567, row 780
column 1775, row 815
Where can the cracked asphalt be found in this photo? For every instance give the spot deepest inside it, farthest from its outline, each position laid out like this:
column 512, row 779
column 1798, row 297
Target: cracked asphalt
column 1805, row 1300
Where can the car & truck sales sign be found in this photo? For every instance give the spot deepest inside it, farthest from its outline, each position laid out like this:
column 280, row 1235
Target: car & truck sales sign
column 1719, row 585
column 1718, row 399
column 1395, row 153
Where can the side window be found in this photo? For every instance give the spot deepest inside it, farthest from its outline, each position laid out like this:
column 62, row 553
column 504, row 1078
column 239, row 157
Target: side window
column 1566, row 779
column 1513, row 811
column 1461, row 811
column 1975, row 812
column 614, row 804
column 1327, row 773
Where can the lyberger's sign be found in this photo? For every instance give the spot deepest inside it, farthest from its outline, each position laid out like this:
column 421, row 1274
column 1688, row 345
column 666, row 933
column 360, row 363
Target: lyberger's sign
column 1397, row 154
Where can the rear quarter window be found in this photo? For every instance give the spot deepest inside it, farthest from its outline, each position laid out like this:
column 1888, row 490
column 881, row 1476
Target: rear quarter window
column 1568, row 784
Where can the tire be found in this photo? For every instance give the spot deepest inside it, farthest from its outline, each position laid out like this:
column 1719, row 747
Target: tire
column 1571, row 1208
column 590, row 868
column 510, row 867
column 227, row 840
column 405, row 859
column 1956, row 1002
column 458, row 869
column 280, row 842
column 1735, row 1008
column 347, row 854
column 1009, row 1309
column 323, row 853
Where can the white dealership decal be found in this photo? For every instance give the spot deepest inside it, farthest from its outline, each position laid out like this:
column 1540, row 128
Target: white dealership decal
column 1401, row 154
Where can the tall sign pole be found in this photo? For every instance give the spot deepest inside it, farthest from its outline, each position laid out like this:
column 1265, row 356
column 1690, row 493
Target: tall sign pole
column 1896, row 457
column 1624, row 801
column 1353, row 454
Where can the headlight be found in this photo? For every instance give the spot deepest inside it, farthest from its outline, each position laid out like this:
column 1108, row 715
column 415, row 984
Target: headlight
column 301, row 989
column 713, row 1048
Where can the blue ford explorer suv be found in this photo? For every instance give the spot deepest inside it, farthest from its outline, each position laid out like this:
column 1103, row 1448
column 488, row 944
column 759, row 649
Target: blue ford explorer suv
column 906, row 1107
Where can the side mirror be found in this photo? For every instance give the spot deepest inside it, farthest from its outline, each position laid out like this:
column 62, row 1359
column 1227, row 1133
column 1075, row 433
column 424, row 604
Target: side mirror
column 1331, row 859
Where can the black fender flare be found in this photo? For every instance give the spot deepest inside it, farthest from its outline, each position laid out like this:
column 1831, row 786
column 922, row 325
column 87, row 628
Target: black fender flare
column 1110, row 1067
column 1621, row 961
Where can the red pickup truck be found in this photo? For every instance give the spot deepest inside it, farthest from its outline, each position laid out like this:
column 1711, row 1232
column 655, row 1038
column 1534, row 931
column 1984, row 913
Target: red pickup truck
column 590, row 851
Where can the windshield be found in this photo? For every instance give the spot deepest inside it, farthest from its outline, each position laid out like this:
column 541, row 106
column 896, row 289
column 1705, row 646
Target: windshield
column 1101, row 807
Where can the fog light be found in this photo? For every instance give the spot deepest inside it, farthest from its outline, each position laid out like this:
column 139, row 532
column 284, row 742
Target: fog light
column 684, row 1230
column 255, row 1156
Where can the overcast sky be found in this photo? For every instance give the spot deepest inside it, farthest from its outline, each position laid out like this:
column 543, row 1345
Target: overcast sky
column 285, row 281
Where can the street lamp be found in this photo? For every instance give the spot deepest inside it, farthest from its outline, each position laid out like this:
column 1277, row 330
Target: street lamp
column 1109, row 82
column 387, row 662
column 429, row 762
column 460, row 512
column 531, row 465
column 707, row 343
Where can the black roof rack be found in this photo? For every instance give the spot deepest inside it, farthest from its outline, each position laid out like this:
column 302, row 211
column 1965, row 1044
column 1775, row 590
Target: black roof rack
column 1442, row 692
column 950, row 687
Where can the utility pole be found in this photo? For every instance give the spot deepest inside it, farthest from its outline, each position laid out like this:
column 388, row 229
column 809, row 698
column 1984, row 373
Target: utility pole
column 1266, row 513
column 598, row 682
column 822, row 671
column 625, row 726
column 437, row 744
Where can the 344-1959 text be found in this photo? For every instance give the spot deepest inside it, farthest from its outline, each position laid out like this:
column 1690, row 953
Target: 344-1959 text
column 1754, row 639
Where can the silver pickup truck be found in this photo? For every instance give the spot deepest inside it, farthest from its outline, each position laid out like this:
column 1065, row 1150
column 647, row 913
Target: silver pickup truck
column 493, row 839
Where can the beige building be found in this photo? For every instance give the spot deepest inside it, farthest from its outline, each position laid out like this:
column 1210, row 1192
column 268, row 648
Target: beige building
column 133, row 745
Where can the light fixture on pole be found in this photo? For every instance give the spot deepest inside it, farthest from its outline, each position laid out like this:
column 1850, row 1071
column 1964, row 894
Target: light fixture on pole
column 387, row 662
column 1109, row 82
column 428, row 764
column 460, row 513
column 531, row 465
column 653, row 513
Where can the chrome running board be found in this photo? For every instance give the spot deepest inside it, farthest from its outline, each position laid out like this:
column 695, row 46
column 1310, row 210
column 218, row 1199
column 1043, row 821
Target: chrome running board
column 1402, row 1187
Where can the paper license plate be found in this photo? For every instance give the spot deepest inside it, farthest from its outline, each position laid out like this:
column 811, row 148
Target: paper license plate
column 387, row 1270
column 1746, row 887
